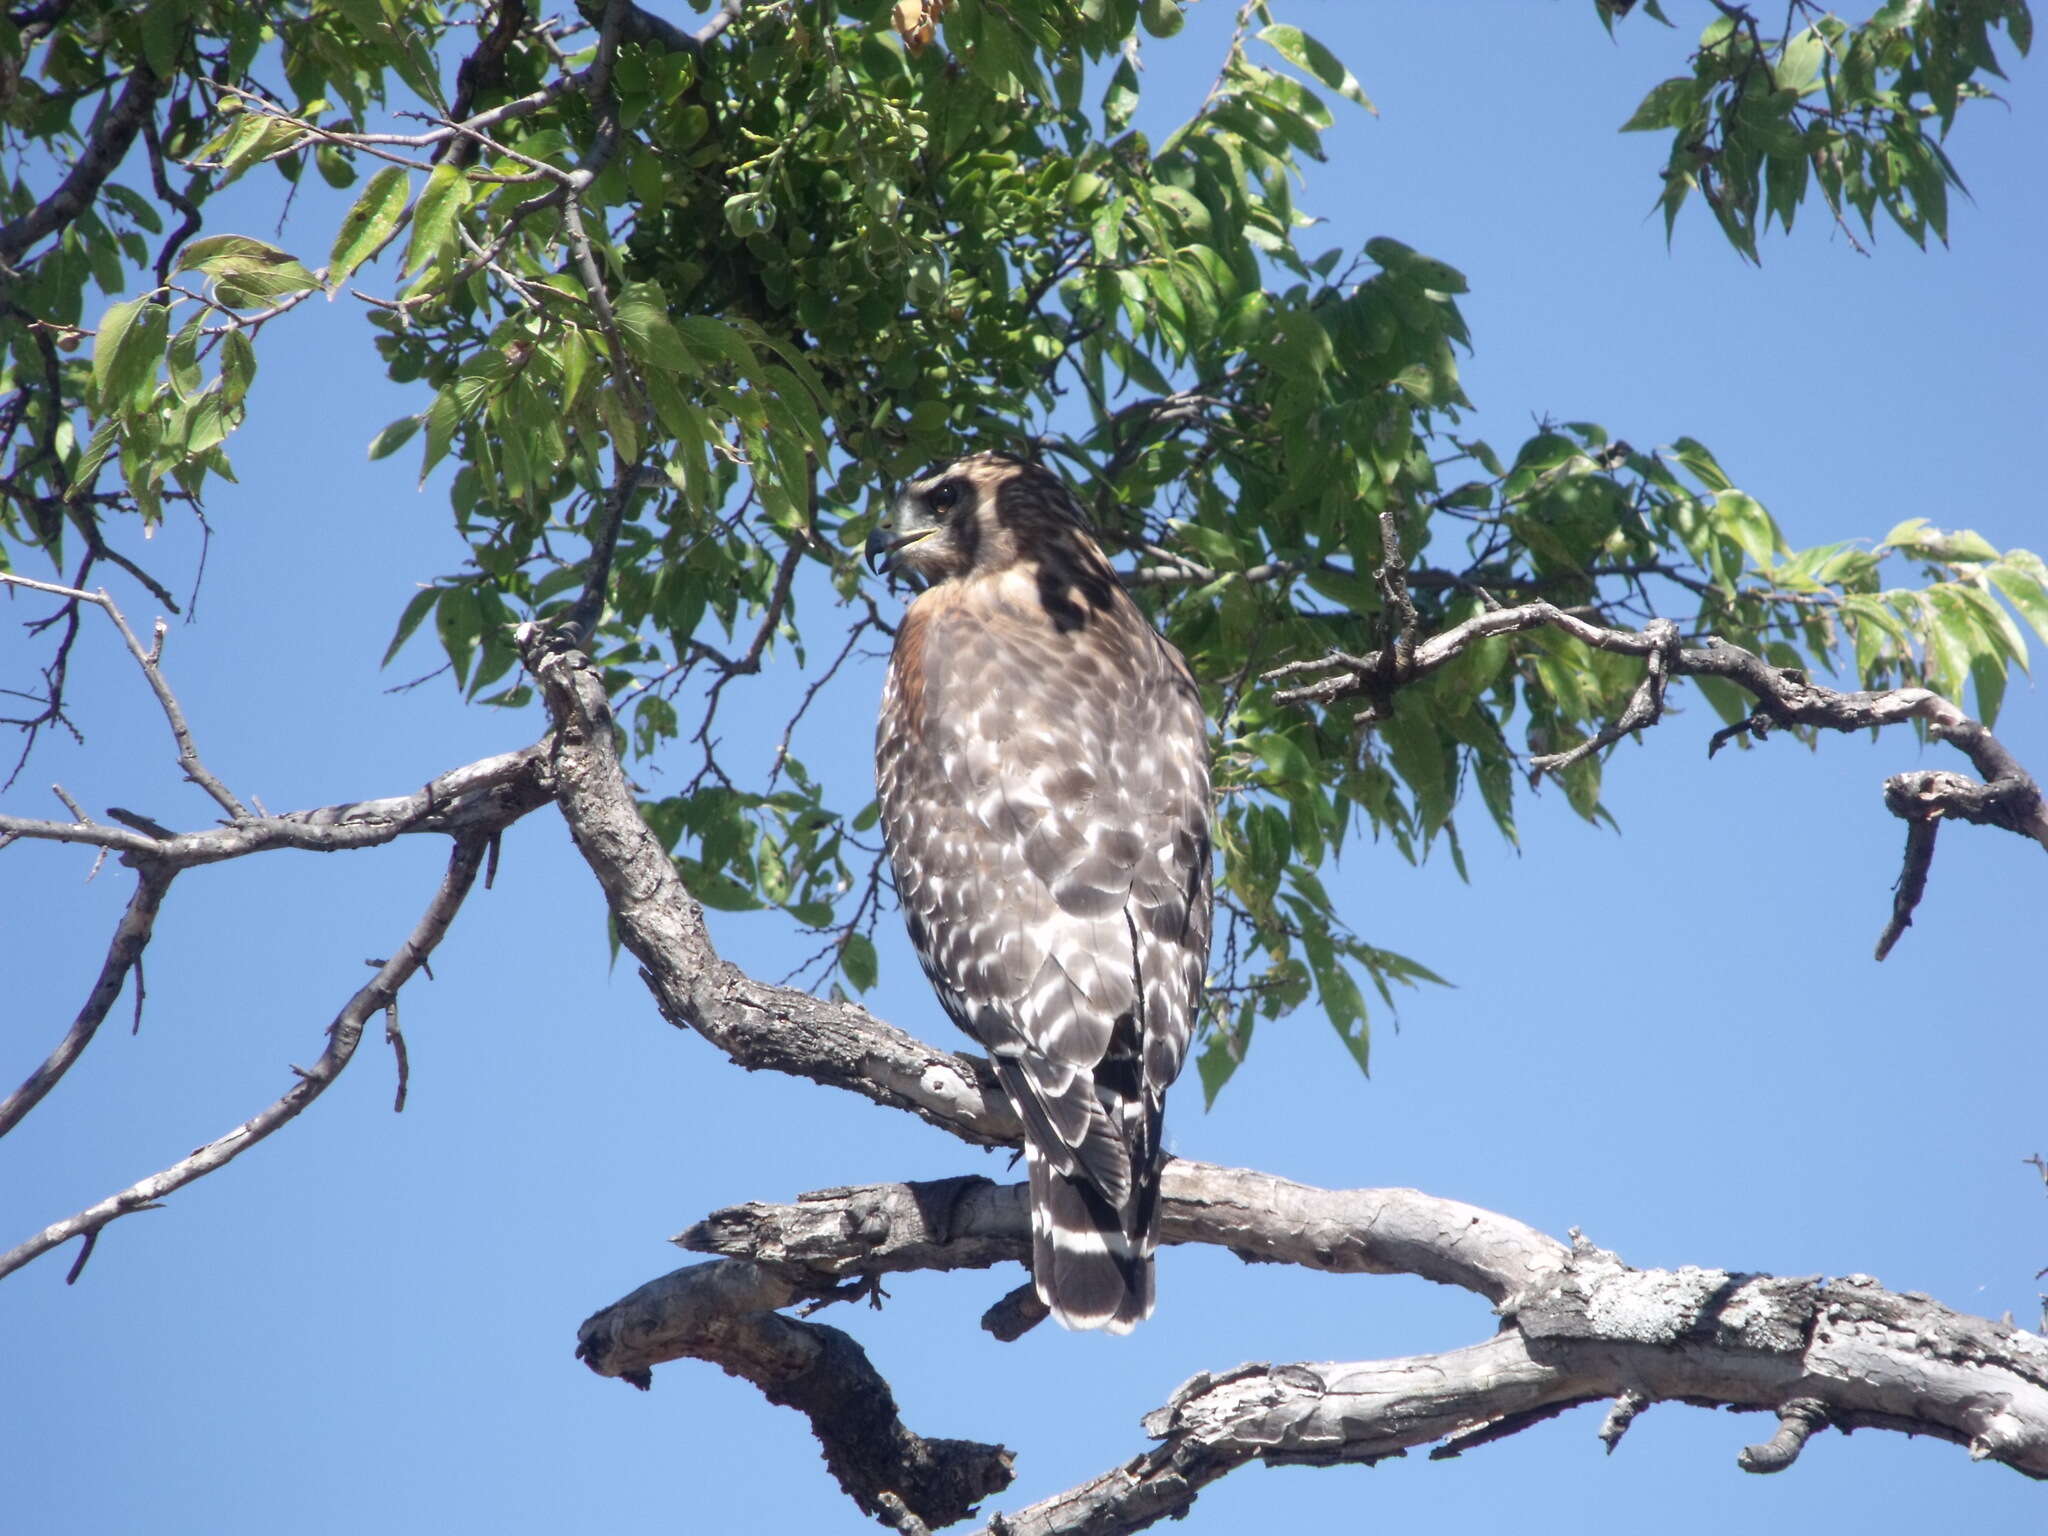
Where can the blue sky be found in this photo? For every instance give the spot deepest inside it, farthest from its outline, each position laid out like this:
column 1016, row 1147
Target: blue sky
column 1673, row 1038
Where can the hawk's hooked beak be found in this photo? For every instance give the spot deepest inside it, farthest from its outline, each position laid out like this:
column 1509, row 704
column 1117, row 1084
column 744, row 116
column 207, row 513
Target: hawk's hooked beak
column 899, row 529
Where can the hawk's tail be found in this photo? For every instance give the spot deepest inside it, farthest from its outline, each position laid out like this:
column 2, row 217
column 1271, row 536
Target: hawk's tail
column 1090, row 1261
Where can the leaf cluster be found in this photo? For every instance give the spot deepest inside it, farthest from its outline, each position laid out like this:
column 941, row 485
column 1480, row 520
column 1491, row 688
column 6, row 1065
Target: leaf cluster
column 673, row 307
column 1858, row 110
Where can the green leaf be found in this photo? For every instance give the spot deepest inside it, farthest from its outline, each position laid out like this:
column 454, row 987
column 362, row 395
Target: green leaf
column 641, row 312
column 408, row 621
column 1917, row 536
column 2025, row 592
column 440, row 203
column 1344, row 1005
column 247, row 273
column 1694, row 456
column 1120, row 100
column 1799, row 63
column 1405, row 261
column 857, row 960
column 394, row 437
column 1223, row 1053
column 371, row 222
column 1670, row 104
column 122, row 354
column 105, row 439
column 719, row 339
column 1305, row 53
column 1904, row 535
column 716, row 889
column 217, row 253
column 1162, row 18
column 458, row 620
column 1744, row 520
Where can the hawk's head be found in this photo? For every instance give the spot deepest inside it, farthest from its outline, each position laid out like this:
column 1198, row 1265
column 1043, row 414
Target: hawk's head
column 981, row 514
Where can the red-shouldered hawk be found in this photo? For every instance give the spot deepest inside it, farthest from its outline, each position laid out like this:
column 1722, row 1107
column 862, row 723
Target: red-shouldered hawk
column 1042, row 762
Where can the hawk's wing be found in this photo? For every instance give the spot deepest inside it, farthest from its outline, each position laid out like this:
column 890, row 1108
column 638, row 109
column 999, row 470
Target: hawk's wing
column 1045, row 794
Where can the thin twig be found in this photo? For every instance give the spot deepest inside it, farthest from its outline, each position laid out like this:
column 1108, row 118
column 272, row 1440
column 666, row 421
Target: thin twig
column 343, row 1035
column 124, row 953
column 188, row 754
column 2008, row 797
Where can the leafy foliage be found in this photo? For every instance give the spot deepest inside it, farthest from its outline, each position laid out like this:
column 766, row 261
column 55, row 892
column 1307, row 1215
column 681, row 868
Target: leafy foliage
column 1846, row 107
column 701, row 293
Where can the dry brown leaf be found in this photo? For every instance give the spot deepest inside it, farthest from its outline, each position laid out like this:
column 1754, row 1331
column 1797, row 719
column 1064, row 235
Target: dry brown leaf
column 917, row 22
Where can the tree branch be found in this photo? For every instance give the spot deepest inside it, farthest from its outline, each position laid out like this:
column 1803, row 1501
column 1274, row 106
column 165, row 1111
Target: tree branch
column 1577, row 1326
column 480, row 798
column 489, row 794
column 757, row 1025
column 972, row 1223
column 124, row 953
column 343, row 1035
column 725, row 1312
column 2008, row 797
column 111, row 137
column 188, row 754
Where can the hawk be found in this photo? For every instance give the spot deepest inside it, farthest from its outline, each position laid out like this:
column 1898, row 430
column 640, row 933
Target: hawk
column 1042, row 763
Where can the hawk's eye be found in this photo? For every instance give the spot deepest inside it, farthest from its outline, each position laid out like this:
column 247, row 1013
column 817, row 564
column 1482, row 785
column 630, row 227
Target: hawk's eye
column 944, row 496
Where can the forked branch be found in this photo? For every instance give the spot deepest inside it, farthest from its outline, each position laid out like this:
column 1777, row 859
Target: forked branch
column 1577, row 1324
column 343, row 1035
column 2006, row 796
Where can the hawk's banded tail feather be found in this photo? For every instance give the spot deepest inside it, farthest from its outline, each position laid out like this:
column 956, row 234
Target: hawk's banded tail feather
column 1088, row 1268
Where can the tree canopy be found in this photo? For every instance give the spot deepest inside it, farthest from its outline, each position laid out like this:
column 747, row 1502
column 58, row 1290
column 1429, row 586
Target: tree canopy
column 673, row 304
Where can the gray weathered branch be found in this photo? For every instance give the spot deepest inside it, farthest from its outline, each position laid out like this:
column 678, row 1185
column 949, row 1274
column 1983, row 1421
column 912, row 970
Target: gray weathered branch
column 756, row 1024
column 477, row 799
column 1577, row 1325
column 726, row 1312
column 124, row 954
column 1845, row 1352
column 2007, row 797
column 973, row 1223
column 489, row 793
column 343, row 1035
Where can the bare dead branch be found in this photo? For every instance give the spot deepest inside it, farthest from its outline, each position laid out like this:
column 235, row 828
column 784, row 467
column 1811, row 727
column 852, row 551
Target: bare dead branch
column 1645, row 705
column 150, row 662
column 1619, row 1417
column 395, row 1038
column 343, row 1035
column 1016, row 1314
column 124, row 953
column 489, row 793
column 726, row 1312
column 1745, row 1342
column 972, row 1223
column 1912, row 884
column 1797, row 1420
column 1577, row 1326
